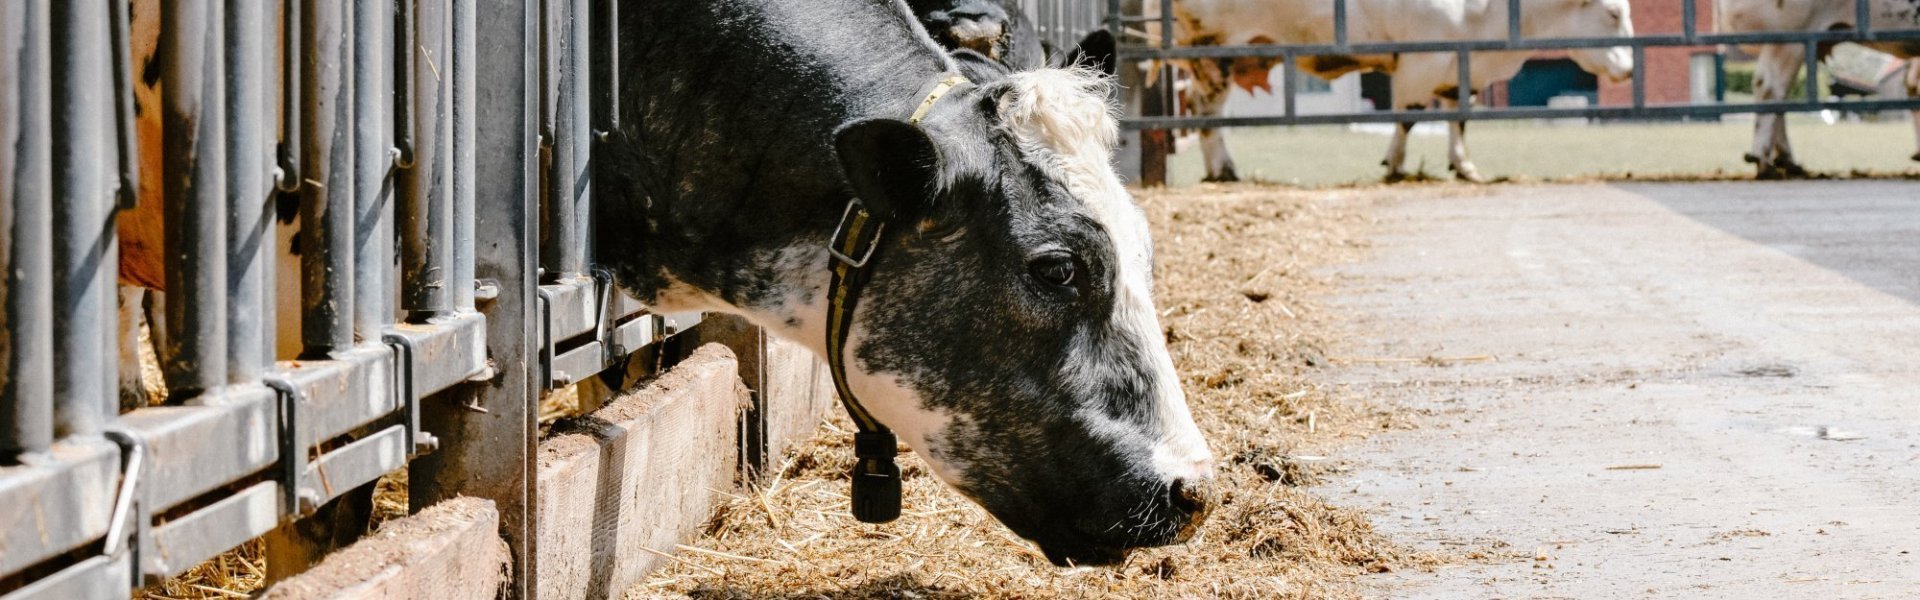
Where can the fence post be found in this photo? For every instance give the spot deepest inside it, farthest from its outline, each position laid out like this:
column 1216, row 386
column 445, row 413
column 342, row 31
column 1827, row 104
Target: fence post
column 487, row 430
column 26, row 263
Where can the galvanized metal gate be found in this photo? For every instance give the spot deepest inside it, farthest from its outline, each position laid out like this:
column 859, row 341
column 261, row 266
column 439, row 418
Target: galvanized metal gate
column 369, row 121
column 1136, row 47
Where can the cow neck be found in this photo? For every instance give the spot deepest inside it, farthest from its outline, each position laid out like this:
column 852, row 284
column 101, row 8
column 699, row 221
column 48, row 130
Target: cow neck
column 876, row 478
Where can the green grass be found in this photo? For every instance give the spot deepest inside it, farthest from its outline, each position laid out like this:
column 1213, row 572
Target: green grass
column 1332, row 155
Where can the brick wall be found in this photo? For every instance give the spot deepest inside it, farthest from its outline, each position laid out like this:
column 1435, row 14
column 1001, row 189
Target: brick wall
column 1667, row 68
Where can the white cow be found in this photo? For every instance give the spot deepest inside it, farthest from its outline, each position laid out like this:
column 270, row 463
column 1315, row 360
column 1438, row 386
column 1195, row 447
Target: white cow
column 1418, row 78
column 1780, row 63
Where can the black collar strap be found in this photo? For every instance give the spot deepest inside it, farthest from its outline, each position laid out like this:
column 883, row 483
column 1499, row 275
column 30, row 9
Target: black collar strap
column 876, row 479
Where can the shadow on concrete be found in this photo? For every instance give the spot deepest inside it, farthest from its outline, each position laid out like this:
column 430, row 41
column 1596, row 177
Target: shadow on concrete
column 1866, row 230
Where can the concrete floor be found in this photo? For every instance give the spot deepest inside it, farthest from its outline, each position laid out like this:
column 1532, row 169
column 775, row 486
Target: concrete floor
column 1644, row 390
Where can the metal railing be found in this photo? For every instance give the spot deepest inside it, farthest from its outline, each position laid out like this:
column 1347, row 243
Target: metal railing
column 1136, row 48
column 435, row 363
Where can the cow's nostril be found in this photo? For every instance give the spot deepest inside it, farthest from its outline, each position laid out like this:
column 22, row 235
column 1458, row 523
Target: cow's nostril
column 1188, row 497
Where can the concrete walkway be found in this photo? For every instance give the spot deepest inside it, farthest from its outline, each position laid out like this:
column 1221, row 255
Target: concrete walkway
column 1706, row 390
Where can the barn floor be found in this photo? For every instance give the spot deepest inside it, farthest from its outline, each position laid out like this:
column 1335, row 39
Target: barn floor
column 1641, row 390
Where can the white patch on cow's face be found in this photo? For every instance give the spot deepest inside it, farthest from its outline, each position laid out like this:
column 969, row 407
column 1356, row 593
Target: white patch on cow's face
column 1061, row 120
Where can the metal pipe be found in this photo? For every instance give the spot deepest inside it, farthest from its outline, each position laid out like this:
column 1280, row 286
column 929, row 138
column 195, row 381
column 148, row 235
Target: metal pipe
column 26, row 255
column 1513, row 20
column 1864, row 18
column 426, row 216
column 1166, row 25
column 464, row 88
column 1656, row 40
column 1514, row 113
column 1689, row 21
column 249, row 192
column 1813, row 71
column 326, row 203
column 1463, row 96
column 403, row 83
column 1639, row 76
column 373, row 158
column 1289, row 85
column 85, row 250
column 127, row 142
column 288, row 153
column 562, row 253
column 1340, row 23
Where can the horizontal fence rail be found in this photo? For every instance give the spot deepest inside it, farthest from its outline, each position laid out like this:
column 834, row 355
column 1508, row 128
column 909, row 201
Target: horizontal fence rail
column 1124, row 20
column 432, row 311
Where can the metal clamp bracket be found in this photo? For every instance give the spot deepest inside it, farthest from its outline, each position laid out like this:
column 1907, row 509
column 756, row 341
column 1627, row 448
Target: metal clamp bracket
column 300, row 501
column 418, row 442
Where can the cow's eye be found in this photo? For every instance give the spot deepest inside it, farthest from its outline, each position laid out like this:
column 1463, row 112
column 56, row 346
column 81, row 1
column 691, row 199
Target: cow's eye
column 1056, row 268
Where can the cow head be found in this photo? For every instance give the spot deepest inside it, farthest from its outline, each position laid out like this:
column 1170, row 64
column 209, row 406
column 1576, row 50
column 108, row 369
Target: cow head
column 983, row 26
column 1008, row 331
column 1586, row 19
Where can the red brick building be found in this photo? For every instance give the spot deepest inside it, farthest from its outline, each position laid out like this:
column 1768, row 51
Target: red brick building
column 1674, row 74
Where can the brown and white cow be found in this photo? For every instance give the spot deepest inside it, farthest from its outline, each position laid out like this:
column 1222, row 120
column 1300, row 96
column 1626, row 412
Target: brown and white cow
column 1779, row 64
column 1418, row 78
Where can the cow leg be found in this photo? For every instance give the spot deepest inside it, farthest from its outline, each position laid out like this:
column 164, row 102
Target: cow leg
column 1213, row 147
column 1913, row 91
column 133, row 384
column 1208, row 102
column 1457, row 148
column 1772, row 78
column 1396, row 159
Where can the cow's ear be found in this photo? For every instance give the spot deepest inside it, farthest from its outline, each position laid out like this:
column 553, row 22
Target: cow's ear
column 1096, row 51
column 890, row 165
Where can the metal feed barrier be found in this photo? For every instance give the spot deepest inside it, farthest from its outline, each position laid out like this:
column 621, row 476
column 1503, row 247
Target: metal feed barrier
column 1136, row 48
column 436, row 365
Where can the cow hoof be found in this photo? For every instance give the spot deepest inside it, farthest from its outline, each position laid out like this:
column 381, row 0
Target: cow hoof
column 1915, row 157
column 1794, row 170
column 1751, row 159
column 1468, row 174
column 1226, row 175
column 1394, row 177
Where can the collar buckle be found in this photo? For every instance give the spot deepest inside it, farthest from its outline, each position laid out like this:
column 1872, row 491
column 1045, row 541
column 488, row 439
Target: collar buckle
column 854, row 222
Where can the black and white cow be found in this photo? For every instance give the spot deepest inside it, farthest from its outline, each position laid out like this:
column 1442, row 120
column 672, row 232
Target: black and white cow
column 1007, row 333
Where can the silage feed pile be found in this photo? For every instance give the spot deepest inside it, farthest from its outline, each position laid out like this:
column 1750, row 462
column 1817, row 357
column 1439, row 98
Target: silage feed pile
column 1239, row 299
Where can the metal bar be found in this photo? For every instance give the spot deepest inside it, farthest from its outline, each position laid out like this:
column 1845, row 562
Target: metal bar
column 490, row 453
column 250, row 217
column 1639, row 77
column 464, row 89
column 1605, row 112
column 26, row 219
column 97, row 577
column 1340, row 23
column 326, row 205
column 205, row 533
column 127, row 141
column 1463, row 94
column 1289, row 85
column 407, row 49
column 1166, row 24
column 63, row 503
column 288, row 152
column 1813, row 71
column 205, row 444
column 426, row 221
column 85, row 249
column 374, row 156
column 1863, row 19
column 1689, row 21
column 564, row 250
column 1137, row 51
column 1513, row 20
